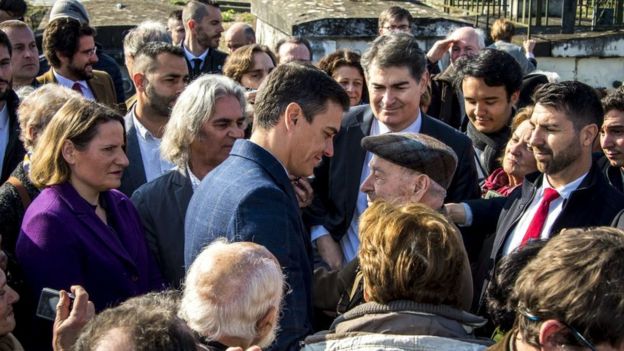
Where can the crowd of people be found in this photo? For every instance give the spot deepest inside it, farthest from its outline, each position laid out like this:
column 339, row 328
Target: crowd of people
column 455, row 198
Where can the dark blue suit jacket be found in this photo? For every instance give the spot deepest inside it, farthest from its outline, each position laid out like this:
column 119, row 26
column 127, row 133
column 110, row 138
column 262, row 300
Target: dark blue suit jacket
column 249, row 197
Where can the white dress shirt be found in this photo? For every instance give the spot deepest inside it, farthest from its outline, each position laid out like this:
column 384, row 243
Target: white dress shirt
column 554, row 210
column 68, row 83
column 4, row 134
column 153, row 164
column 194, row 180
column 350, row 242
column 190, row 57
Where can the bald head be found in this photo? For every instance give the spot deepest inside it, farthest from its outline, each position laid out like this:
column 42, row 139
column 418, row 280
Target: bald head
column 239, row 34
column 467, row 42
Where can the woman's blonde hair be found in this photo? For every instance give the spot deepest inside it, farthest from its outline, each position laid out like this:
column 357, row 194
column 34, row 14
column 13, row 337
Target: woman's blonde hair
column 410, row 252
column 77, row 121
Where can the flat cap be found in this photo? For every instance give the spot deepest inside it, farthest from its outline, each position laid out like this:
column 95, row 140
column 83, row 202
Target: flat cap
column 69, row 8
column 419, row 152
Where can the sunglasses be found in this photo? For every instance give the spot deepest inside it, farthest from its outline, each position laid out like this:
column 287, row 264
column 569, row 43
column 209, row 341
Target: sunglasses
column 577, row 335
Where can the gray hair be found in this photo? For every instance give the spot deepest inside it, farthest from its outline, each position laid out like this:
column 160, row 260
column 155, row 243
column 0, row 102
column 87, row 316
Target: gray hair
column 229, row 287
column 193, row 108
column 145, row 32
column 37, row 109
column 477, row 31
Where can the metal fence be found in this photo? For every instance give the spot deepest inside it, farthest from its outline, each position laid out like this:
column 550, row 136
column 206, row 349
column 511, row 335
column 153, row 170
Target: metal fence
column 544, row 16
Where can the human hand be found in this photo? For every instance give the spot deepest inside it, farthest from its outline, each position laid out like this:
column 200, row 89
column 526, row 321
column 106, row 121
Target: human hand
column 455, row 212
column 250, row 348
column 330, row 251
column 68, row 324
column 438, row 49
column 303, row 191
column 529, row 45
column 251, row 96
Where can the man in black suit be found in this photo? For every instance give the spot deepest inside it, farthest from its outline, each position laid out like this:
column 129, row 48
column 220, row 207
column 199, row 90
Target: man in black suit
column 397, row 77
column 203, row 26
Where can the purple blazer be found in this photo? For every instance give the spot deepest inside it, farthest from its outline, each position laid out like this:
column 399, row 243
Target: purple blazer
column 62, row 243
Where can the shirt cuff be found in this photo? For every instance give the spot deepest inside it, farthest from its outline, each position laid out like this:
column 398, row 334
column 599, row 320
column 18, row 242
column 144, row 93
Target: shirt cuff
column 468, row 214
column 318, row 231
column 530, row 55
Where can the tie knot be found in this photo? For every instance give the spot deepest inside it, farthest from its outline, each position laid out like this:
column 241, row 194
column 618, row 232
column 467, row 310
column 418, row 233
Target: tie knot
column 550, row 194
column 77, row 87
column 197, row 63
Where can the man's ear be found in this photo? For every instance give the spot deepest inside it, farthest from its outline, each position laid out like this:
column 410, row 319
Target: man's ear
column 139, row 81
column 550, row 334
column 588, row 134
column 424, row 81
column 69, row 152
column 421, row 184
column 514, row 97
column 191, row 24
column 292, row 115
column 266, row 322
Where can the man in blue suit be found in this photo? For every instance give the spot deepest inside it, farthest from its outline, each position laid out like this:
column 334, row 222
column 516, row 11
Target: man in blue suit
column 250, row 197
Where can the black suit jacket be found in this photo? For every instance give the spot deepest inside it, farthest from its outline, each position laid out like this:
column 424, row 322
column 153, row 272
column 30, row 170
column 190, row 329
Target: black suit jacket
column 213, row 63
column 593, row 203
column 14, row 153
column 337, row 180
column 134, row 175
column 162, row 205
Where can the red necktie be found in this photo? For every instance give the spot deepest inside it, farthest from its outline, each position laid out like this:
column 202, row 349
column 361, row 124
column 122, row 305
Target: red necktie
column 78, row 88
column 537, row 223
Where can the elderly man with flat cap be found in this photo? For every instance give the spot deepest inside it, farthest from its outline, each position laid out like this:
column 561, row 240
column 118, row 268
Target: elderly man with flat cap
column 405, row 167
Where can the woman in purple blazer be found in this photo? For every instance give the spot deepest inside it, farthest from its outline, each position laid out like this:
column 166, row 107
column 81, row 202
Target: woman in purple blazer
column 79, row 230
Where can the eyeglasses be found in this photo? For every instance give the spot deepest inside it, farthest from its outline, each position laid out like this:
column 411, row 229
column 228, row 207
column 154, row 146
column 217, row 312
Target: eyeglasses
column 577, row 335
column 402, row 28
column 90, row 52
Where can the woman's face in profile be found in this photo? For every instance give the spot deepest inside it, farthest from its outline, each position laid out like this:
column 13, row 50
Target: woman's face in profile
column 261, row 66
column 100, row 165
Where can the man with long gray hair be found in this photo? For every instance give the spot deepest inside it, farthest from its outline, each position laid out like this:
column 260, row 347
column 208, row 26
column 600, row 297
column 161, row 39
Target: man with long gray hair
column 232, row 295
column 196, row 142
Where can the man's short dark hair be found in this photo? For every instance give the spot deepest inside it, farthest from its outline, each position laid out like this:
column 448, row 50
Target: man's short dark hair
column 16, row 8
column 176, row 15
column 614, row 100
column 149, row 321
column 296, row 82
column 61, row 36
column 196, row 10
column 294, row 40
column 395, row 50
column 4, row 41
column 500, row 288
column 495, row 67
column 145, row 58
column 394, row 12
column 577, row 100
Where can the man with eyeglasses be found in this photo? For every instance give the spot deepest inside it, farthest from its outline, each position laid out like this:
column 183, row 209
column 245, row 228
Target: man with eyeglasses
column 395, row 19
column 569, row 297
column 69, row 47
